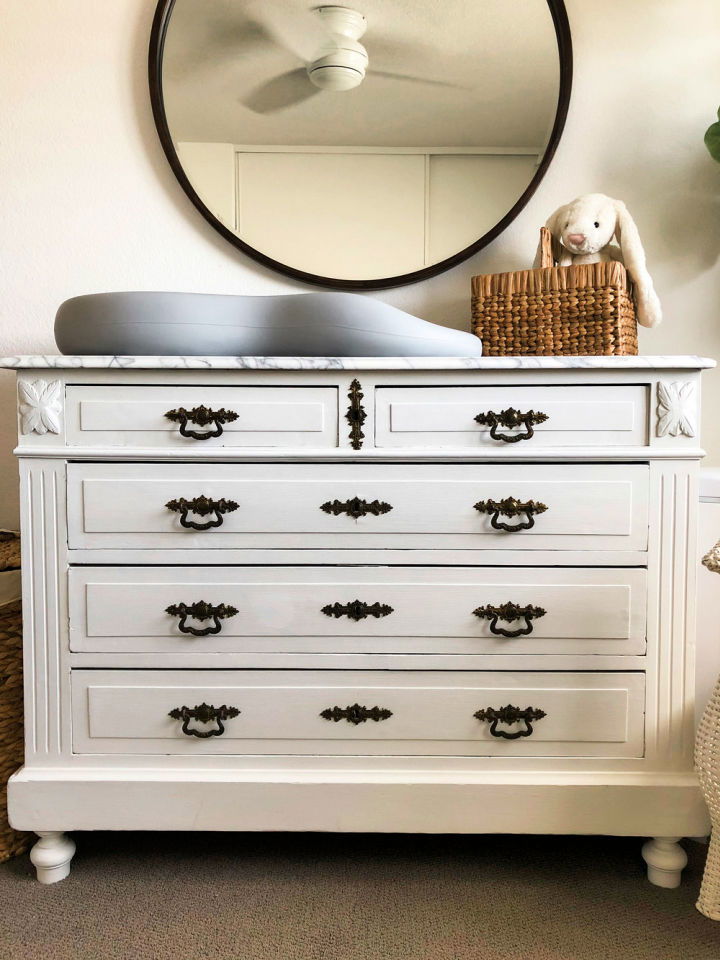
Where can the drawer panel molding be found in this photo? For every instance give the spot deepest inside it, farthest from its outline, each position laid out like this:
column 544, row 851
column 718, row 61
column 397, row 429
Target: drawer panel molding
column 573, row 506
column 412, row 713
column 525, row 416
column 188, row 417
column 355, row 610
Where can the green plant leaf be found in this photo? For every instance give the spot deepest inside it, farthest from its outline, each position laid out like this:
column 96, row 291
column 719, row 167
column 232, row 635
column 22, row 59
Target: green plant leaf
column 712, row 139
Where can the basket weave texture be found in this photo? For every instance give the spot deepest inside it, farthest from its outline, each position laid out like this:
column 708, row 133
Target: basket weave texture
column 583, row 310
column 707, row 765
column 12, row 842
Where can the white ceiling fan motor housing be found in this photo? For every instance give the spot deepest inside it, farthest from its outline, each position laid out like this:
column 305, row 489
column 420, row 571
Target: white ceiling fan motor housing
column 341, row 61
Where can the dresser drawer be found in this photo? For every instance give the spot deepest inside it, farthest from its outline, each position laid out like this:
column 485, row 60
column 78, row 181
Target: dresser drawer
column 359, row 505
column 416, row 713
column 130, row 416
column 445, row 417
column 355, row 610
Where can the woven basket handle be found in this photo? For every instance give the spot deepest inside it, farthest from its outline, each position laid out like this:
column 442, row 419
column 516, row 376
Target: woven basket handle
column 546, row 251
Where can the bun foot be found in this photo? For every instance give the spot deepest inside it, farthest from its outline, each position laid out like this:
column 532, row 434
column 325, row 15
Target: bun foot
column 51, row 856
column 665, row 859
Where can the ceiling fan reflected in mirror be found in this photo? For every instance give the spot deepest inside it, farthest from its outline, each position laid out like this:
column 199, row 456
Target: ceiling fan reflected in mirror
column 327, row 41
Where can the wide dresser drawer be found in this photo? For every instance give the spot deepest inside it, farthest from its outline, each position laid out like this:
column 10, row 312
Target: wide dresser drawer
column 479, row 417
column 215, row 610
column 191, row 418
column 358, row 505
column 380, row 712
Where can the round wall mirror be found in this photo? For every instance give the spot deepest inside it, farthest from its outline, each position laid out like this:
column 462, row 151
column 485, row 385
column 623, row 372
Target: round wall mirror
column 366, row 145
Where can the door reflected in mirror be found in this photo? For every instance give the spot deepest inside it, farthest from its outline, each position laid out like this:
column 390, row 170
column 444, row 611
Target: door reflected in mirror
column 362, row 145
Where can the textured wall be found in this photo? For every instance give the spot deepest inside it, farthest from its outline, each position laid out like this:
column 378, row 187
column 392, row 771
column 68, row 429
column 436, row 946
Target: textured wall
column 88, row 203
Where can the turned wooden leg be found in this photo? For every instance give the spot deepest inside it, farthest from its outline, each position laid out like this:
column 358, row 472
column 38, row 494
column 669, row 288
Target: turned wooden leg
column 665, row 859
column 51, row 856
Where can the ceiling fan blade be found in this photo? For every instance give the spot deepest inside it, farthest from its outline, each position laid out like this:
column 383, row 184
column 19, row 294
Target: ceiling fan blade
column 301, row 32
column 408, row 78
column 223, row 43
column 281, row 92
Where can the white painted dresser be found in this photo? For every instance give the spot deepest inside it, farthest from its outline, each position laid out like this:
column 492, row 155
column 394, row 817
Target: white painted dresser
column 359, row 595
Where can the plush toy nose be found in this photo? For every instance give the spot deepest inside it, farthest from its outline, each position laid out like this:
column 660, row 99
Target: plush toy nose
column 577, row 239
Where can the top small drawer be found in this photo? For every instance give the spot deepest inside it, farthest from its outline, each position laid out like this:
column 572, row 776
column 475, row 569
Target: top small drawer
column 583, row 416
column 202, row 416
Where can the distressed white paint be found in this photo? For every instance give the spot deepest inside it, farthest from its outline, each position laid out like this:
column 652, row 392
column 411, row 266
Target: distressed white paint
column 588, row 714
column 598, row 507
column 280, row 609
column 614, row 753
column 445, row 416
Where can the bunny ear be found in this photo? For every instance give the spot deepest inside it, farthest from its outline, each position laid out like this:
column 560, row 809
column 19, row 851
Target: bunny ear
column 554, row 225
column 649, row 312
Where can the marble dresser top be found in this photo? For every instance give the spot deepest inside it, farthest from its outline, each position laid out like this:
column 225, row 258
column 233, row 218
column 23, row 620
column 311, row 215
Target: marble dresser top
column 355, row 363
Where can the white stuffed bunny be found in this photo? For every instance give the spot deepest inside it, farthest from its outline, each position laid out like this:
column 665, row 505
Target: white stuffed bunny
column 582, row 231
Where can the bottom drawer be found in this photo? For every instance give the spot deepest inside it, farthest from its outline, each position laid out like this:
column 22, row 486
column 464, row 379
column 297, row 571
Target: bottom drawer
column 326, row 712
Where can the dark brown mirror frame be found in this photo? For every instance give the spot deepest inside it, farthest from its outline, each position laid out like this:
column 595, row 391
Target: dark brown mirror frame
column 157, row 43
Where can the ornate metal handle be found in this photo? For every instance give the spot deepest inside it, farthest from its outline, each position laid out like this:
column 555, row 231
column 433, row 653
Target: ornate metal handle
column 203, row 506
column 510, row 507
column 356, row 415
column 201, row 611
column 357, row 610
column 356, row 713
column 509, row 612
column 510, row 714
column 355, row 507
column 203, row 417
column 204, row 713
column 511, row 418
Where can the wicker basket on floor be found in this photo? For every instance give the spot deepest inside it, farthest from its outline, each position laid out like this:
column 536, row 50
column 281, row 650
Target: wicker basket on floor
column 707, row 765
column 555, row 311
column 12, row 842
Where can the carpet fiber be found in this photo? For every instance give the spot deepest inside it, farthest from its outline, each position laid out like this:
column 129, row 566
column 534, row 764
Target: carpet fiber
column 326, row 897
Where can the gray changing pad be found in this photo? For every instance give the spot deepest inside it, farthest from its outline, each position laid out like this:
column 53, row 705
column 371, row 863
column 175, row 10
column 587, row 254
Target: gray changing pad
column 201, row 324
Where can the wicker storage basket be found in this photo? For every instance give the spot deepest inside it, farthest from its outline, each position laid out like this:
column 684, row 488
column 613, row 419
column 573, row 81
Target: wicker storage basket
column 707, row 765
column 576, row 311
column 11, row 688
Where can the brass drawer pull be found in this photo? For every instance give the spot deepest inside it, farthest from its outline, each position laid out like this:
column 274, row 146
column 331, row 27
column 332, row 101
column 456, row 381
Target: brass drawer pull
column 510, row 714
column 356, row 714
column 204, row 713
column 203, row 506
column 509, row 612
column 510, row 507
column 355, row 507
column 357, row 610
column 203, row 417
column 511, row 418
column 201, row 611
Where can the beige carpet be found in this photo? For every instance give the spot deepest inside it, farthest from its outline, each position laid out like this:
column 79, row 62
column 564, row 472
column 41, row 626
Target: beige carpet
column 325, row 897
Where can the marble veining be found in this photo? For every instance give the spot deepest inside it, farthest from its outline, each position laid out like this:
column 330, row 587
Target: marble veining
column 355, row 363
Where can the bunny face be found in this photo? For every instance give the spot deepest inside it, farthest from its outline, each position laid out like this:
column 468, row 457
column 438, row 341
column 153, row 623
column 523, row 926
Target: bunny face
column 586, row 225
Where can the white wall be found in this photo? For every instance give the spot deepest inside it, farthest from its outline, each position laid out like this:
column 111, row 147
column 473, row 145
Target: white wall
column 88, row 202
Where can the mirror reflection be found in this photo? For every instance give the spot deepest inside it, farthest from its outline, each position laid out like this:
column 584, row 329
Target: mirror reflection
column 364, row 141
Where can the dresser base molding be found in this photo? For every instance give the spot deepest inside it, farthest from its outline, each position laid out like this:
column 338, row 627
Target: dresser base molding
column 622, row 804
